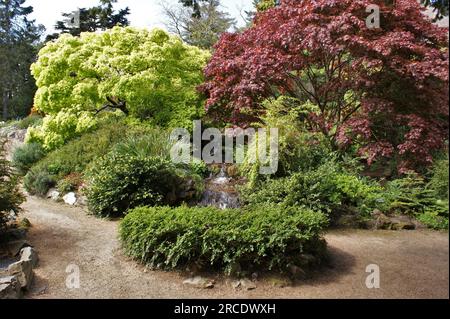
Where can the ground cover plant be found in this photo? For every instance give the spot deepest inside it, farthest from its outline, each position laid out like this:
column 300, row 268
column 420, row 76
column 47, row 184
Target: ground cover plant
column 271, row 237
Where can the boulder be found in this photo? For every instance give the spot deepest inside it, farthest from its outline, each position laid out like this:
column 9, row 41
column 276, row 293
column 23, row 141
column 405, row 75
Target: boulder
column 53, row 194
column 29, row 254
column 82, row 201
column 70, row 198
column 199, row 282
column 23, row 271
column 402, row 223
column 244, row 284
column 279, row 281
column 10, row 288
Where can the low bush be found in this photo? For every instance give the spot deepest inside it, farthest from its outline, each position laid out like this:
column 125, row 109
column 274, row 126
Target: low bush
column 328, row 189
column 25, row 156
column 75, row 156
column 30, row 121
column 439, row 182
column 433, row 220
column 10, row 196
column 118, row 182
column 270, row 238
column 38, row 182
column 70, row 183
column 412, row 196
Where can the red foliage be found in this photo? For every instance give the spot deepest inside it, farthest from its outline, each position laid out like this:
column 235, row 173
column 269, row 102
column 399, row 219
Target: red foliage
column 385, row 89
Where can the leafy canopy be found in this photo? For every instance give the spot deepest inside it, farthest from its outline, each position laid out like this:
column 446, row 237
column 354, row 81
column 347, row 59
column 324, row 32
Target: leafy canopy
column 146, row 74
column 381, row 89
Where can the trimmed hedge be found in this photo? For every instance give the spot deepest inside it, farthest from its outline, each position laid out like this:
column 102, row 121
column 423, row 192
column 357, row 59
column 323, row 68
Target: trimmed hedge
column 270, row 238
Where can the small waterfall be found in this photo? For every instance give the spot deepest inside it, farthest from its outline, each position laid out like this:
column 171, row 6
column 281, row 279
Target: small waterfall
column 220, row 192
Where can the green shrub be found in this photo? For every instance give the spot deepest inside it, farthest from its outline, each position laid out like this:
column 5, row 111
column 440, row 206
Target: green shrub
column 155, row 142
column 70, row 183
column 270, row 238
column 25, row 156
column 38, row 182
column 10, row 196
column 410, row 195
column 75, row 156
column 432, row 220
column 440, row 178
column 30, row 121
column 118, row 182
column 328, row 189
column 299, row 150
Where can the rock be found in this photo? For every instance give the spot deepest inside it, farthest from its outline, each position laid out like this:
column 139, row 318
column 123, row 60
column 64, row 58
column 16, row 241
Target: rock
column 53, row 194
column 199, row 282
column 10, row 288
column 279, row 282
column 23, row 271
column 248, row 284
column 244, row 284
column 82, row 201
column 382, row 222
column 402, row 223
column 29, row 254
column 392, row 223
column 70, row 198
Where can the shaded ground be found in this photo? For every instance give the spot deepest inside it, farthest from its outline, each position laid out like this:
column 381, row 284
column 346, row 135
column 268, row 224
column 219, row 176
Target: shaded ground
column 413, row 264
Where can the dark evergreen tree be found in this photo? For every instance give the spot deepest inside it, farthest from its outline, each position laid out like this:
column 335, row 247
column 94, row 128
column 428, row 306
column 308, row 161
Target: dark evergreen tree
column 19, row 38
column 100, row 17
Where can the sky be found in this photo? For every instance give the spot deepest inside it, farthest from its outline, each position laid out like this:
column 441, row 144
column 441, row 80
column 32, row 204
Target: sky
column 144, row 13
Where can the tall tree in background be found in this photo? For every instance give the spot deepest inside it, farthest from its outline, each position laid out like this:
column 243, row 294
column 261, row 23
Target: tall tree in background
column 100, row 17
column 18, row 47
column 202, row 31
column 194, row 5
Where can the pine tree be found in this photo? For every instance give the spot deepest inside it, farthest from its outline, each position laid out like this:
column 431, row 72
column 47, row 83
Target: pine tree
column 18, row 40
column 100, row 17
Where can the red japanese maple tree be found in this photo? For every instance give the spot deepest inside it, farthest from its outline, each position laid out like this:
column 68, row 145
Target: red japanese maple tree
column 385, row 89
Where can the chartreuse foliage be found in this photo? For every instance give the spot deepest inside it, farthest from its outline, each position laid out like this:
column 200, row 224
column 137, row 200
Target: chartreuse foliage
column 270, row 237
column 152, row 74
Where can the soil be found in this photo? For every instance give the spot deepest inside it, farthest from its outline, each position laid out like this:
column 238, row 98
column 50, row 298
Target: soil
column 413, row 264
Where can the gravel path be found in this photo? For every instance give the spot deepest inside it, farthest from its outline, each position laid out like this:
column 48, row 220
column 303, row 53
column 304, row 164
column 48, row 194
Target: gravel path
column 413, row 264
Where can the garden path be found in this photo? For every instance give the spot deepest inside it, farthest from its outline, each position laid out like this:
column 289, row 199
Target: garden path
column 413, row 264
